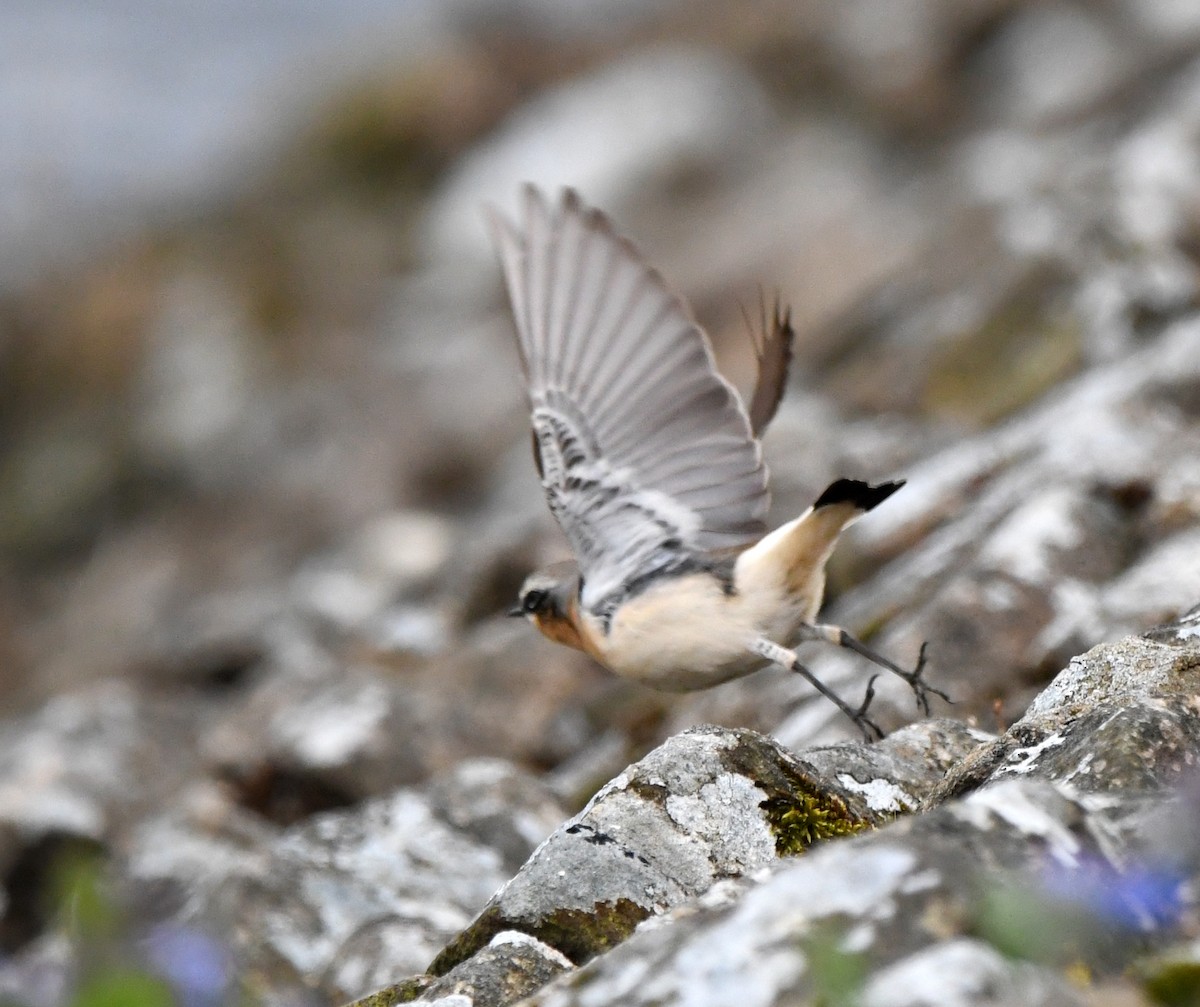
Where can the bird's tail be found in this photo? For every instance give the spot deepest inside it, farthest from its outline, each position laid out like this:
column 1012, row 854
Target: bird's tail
column 794, row 555
column 861, row 496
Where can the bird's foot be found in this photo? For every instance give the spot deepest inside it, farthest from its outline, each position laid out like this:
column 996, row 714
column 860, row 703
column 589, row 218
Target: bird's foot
column 921, row 688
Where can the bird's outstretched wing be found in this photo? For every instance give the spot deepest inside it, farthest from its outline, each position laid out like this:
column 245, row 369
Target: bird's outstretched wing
column 646, row 453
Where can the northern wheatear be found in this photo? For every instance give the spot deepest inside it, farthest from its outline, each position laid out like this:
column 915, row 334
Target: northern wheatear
column 651, row 463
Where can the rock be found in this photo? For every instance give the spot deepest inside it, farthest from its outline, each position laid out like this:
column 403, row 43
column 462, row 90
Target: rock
column 964, row 971
column 708, row 804
column 1119, row 718
column 501, row 806
column 348, row 900
column 877, row 898
column 873, row 906
column 310, row 738
column 1065, row 836
column 68, row 769
column 508, row 969
column 1031, row 81
column 390, row 865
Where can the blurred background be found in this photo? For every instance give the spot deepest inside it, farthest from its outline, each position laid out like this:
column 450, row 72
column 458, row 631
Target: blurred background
column 265, row 484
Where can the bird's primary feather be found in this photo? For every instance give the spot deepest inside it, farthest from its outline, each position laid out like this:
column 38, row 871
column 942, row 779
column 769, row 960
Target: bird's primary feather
column 773, row 351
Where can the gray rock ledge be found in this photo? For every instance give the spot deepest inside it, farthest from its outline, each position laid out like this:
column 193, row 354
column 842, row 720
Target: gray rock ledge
column 967, row 868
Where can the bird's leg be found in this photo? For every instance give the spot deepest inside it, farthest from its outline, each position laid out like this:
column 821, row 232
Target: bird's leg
column 839, row 637
column 787, row 659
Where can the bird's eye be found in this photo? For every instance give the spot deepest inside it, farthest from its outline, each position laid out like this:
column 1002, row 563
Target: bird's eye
column 534, row 600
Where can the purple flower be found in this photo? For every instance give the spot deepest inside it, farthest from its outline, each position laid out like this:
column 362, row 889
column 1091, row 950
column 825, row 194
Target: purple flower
column 1137, row 898
column 198, row 966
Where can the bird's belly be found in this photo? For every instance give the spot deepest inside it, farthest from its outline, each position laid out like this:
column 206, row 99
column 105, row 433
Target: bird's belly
column 682, row 634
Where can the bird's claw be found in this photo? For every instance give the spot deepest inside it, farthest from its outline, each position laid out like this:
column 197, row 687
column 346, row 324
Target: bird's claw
column 922, row 689
column 870, row 730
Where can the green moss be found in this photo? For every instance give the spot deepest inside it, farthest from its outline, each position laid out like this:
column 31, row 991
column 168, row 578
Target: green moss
column 799, row 820
column 403, row 992
column 123, row 987
column 487, row 924
column 580, row 934
column 836, row 975
column 800, row 808
column 1173, row 981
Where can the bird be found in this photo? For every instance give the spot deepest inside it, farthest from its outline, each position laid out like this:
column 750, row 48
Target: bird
column 652, row 465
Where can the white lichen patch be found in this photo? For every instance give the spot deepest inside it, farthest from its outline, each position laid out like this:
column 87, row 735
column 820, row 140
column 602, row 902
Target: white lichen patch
column 726, row 815
column 880, row 794
column 1023, row 760
column 1084, row 768
column 545, row 950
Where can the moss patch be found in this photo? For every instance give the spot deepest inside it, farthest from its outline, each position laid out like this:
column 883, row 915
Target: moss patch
column 579, row 934
column 582, row 935
column 487, row 924
column 1172, row 981
column 403, row 992
column 801, row 808
column 802, row 819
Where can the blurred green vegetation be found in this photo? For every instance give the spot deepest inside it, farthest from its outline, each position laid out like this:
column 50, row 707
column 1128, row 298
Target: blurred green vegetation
column 837, row 975
column 113, row 957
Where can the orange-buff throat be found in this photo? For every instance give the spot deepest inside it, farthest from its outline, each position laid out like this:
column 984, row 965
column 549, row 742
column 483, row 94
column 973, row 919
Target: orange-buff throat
column 565, row 629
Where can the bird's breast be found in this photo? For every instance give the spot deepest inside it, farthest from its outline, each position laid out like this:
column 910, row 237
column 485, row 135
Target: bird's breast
column 681, row 633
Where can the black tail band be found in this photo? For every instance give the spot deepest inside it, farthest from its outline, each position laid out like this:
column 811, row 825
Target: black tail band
column 854, row 491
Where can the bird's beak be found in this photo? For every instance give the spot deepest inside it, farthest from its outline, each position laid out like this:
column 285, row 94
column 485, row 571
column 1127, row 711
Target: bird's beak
column 515, row 612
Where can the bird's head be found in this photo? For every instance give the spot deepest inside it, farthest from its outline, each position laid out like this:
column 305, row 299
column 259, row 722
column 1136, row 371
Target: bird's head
column 548, row 600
